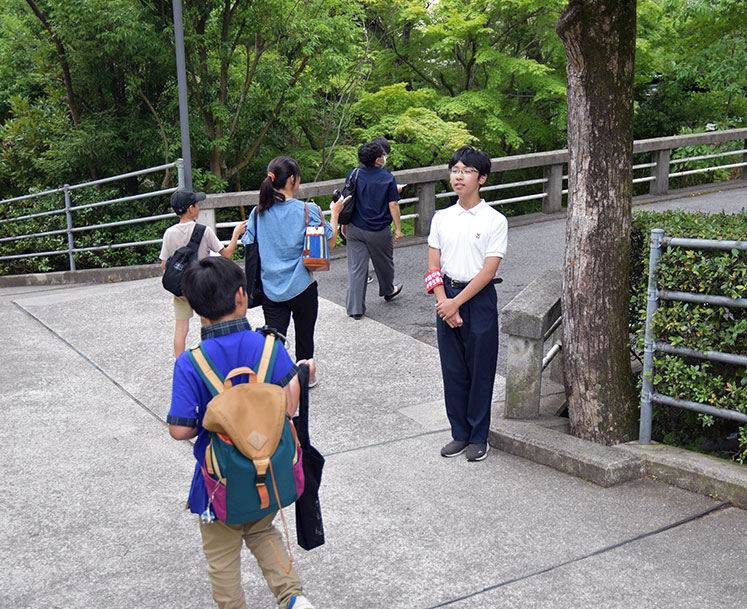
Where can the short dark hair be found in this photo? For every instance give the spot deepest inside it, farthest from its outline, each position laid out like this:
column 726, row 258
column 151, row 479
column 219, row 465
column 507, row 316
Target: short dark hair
column 471, row 157
column 210, row 286
column 384, row 143
column 368, row 153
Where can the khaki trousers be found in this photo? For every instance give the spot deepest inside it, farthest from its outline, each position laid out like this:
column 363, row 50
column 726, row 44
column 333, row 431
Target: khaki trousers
column 221, row 544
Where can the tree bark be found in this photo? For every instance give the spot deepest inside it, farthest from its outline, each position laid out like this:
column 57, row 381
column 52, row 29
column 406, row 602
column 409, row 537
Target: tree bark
column 599, row 39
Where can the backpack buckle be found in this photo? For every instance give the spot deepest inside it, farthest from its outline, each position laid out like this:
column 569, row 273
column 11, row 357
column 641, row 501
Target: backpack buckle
column 268, row 330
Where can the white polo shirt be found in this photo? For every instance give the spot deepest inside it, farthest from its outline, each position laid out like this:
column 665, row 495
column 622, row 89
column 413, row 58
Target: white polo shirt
column 466, row 237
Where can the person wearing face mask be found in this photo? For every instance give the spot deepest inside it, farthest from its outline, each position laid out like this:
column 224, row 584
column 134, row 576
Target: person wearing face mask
column 369, row 234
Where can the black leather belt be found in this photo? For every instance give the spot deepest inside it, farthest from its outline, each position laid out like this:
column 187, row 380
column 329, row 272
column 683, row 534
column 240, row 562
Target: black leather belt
column 458, row 285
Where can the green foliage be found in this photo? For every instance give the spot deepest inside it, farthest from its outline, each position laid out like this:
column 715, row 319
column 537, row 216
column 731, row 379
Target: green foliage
column 419, row 136
column 695, row 326
column 496, row 66
column 690, row 65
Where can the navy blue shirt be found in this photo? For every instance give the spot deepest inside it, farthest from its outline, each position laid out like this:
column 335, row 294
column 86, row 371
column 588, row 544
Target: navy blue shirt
column 374, row 189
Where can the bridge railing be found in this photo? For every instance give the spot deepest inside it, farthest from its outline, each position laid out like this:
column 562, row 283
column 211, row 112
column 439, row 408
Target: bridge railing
column 551, row 188
column 431, row 185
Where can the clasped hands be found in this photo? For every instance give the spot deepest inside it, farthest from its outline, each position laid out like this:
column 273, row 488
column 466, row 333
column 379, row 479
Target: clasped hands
column 448, row 310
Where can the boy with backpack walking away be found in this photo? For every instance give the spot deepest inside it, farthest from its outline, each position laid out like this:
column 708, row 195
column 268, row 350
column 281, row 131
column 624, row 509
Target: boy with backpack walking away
column 466, row 244
column 185, row 204
column 216, row 290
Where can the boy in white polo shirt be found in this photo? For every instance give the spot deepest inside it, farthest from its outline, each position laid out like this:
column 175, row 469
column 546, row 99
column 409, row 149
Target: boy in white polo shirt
column 465, row 246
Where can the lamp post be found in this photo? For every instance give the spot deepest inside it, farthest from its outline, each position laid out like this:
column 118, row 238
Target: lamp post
column 181, row 78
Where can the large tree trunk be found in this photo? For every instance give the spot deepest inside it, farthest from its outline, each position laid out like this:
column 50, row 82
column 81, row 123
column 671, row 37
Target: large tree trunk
column 599, row 39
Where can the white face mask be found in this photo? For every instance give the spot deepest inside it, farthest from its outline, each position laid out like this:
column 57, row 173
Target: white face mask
column 383, row 159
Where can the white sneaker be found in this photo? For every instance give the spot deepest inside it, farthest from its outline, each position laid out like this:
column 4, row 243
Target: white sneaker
column 314, row 381
column 300, row 602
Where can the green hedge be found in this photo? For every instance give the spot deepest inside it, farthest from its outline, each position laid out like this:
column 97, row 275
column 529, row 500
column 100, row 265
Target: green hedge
column 701, row 327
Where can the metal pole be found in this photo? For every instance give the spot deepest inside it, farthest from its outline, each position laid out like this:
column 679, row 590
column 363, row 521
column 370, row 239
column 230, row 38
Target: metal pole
column 181, row 78
column 180, row 172
column 69, row 221
column 652, row 303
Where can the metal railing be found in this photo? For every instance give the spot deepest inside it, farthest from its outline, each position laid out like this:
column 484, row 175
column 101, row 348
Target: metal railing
column 549, row 189
column 553, row 181
column 68, row 209
column 649, row 395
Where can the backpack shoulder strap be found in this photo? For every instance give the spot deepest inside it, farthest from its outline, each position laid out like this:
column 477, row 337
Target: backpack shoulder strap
column 207, row 370
column 306, row 210
column 353, row 180
column 267, row 360
column 197, row 232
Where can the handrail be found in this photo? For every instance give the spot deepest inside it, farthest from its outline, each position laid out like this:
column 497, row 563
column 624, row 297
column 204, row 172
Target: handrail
column 549, row 189
column 649, row 395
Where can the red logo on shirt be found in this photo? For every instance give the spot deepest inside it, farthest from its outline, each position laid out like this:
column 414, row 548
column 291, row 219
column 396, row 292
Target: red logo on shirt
column 477, row 235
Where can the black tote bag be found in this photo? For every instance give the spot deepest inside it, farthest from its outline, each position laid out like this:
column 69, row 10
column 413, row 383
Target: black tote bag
column 309, row 526
column 252, row 269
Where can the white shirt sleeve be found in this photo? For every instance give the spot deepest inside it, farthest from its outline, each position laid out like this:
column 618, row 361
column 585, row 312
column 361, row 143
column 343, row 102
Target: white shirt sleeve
column 433, row 236
column 498, row 240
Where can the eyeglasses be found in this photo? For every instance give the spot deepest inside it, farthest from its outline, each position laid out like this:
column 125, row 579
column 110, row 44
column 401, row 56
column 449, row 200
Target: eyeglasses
column 462, row 172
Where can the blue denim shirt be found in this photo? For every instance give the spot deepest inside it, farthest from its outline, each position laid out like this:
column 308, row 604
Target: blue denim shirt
column 281, row 231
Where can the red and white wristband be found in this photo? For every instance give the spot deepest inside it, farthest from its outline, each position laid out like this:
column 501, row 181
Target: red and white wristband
column 433, row 279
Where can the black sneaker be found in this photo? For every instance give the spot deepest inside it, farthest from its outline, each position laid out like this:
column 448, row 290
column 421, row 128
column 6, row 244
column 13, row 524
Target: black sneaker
column 454, row 448
column 477, row 452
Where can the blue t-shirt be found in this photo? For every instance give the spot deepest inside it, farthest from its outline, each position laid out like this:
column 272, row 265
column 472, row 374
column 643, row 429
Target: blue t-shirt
column 237, row 345
column 281, row 230
column 374, row 189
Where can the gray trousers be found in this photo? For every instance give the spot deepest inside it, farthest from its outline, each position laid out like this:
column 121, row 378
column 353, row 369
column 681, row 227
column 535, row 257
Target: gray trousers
column 362, row 244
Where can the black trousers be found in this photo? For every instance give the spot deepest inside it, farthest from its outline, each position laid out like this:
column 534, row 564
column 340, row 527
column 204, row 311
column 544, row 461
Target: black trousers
column 304, row 309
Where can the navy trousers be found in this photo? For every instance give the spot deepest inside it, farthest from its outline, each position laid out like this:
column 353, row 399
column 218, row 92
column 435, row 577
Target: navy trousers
column 469, row 355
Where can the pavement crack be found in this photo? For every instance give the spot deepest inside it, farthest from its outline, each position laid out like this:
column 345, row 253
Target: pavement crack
column 93, row 364
column 715, row 508
column 385, row 442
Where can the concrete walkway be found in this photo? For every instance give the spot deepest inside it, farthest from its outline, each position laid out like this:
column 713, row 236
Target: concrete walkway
column 92, row 514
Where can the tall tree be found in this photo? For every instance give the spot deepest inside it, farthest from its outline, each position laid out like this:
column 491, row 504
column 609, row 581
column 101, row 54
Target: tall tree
column 599, row 38
column 495, row 64
column 256, row 66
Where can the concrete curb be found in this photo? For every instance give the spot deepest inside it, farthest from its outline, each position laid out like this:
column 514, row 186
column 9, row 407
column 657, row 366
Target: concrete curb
column 106, row 275
column 611, row 465
column 692, row 471
column 602, row 465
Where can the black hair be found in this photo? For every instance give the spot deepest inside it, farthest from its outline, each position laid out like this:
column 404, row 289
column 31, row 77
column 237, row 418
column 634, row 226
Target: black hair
column 281, row 168
column 210, row 286
column 384, row 143
column 471, row 157
column 368, row 153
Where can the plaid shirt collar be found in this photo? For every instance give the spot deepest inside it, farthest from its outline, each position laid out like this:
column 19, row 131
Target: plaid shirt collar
column 223, row 328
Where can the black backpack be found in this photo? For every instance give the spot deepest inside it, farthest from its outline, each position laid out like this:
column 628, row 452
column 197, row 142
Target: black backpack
column 175, row 265
column 346, row 214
